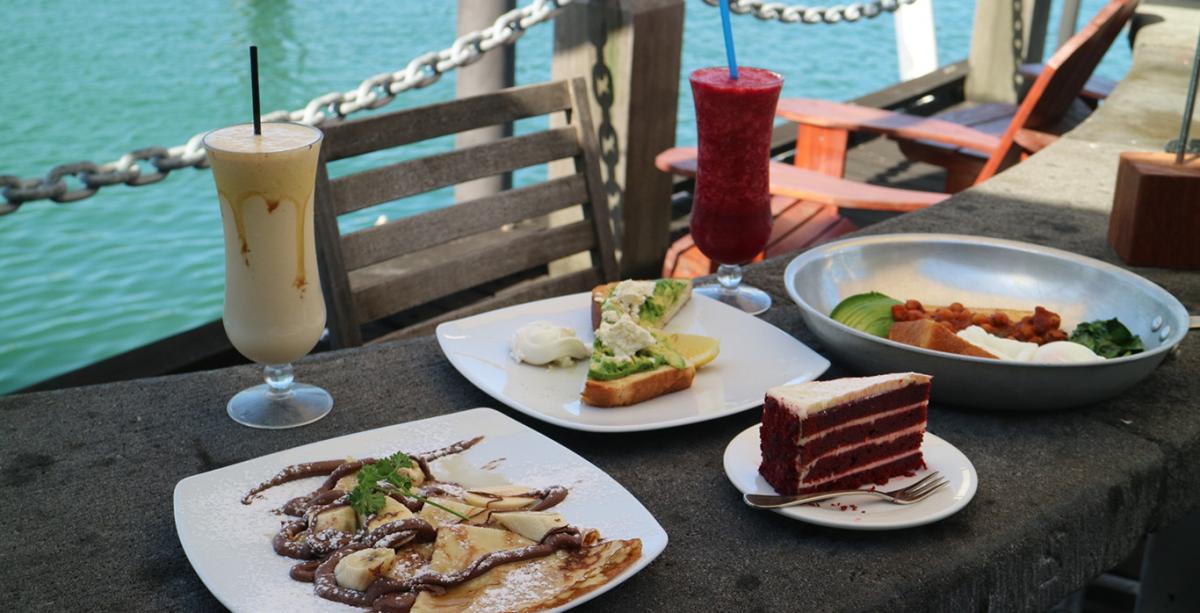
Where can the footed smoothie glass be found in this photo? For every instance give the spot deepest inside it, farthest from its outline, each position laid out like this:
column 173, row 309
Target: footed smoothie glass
column 274, row 309
column 731, row 209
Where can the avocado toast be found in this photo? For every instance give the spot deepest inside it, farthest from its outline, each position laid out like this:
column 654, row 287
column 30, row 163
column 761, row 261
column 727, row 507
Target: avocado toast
column 632, row 358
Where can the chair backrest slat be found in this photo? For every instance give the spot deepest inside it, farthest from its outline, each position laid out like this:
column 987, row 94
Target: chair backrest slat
column 1073, row 64
column 379, row 291
column 380, row 243
column 549, row 287
column 1061, row 81
column 387, row 183
column 461, row 254
column 425, row 122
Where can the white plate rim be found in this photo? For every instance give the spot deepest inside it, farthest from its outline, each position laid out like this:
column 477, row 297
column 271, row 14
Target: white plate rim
column 652, row 544
column 1178, row 332
column 735, row 461
column 607, row 428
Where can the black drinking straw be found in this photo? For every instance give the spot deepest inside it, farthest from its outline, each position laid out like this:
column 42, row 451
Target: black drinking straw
column 254, row 89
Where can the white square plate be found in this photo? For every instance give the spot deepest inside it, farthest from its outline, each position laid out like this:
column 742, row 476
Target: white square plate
column 229, row 544
column 754, row 356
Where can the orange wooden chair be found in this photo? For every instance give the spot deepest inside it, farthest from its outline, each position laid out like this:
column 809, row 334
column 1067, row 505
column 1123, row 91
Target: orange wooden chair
column 972, row 144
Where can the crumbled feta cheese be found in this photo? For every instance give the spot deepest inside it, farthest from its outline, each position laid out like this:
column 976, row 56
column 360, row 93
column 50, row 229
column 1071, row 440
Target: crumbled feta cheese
column 624, row 336
column 629, row 296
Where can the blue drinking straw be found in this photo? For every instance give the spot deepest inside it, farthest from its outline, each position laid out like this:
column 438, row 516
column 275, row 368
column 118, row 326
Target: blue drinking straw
column 730, row 56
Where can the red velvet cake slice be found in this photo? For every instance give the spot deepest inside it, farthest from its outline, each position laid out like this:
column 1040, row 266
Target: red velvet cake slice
column 844, row 433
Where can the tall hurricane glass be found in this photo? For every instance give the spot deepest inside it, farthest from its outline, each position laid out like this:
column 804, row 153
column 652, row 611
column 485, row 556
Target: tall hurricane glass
column 731, row 209
column 274, row 310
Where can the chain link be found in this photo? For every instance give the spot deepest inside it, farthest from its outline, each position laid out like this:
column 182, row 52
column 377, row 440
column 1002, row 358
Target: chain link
column 371, row 93
column 800, row 13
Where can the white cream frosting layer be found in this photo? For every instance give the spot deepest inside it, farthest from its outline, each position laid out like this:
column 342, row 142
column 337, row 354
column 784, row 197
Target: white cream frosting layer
column 804, row 440
column 880, row 440
column 805, row 399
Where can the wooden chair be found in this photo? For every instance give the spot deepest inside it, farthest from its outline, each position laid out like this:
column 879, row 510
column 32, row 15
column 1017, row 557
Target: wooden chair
column 972, row 143
column 975, row 142
column 379, row 271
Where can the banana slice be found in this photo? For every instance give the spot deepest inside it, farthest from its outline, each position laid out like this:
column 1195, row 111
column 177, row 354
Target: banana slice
column 346, row 483
column 500, row 497
column 342, row 519
column 414, row 473
column 532, row 525
column 392, row 511
column 360, row 569
column 437, row 517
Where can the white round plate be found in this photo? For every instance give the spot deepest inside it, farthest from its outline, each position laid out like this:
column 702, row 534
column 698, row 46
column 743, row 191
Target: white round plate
column 743, row 456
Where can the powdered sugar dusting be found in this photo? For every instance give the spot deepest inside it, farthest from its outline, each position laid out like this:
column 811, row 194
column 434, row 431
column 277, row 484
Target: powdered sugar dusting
column 523, row 585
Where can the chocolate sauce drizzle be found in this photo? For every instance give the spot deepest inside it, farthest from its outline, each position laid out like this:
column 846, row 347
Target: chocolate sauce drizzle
column 336, row 469
column 305, row 572
column 321, row 551
column 292, row 473
column 458, row 447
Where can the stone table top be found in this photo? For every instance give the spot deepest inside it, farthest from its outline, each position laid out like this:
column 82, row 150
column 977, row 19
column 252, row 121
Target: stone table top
column 86, row 474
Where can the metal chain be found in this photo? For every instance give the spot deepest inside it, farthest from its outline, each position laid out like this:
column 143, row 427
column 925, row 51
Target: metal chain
column 801, row 13
column 152, row 164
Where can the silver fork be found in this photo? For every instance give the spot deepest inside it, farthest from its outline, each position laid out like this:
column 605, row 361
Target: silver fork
column 907, row 495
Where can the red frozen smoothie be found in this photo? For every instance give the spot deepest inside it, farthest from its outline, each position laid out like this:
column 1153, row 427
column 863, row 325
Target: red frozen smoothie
column 731, row 209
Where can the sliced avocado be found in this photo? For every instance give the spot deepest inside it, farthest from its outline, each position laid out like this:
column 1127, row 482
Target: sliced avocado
column 605, row 367
column 666, row 293
column 663, row 349
column 870, row 312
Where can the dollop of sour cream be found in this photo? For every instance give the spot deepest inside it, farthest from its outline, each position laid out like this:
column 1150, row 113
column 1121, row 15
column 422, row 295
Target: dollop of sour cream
column 1057, row 352
column 542, row 342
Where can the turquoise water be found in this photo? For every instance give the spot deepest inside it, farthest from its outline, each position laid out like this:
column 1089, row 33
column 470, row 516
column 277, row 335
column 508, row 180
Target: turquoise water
column 88, row 280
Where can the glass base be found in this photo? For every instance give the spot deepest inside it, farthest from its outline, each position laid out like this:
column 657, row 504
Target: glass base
column 262, row 407
column 749, row 299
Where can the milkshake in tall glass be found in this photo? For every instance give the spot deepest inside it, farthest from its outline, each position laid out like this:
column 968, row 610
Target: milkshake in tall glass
column 274, row 309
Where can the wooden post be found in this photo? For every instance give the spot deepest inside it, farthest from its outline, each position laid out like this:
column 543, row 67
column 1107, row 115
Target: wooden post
column 495, row 71
column 628, row 51
column 916, row 39
column 1006, row 34
column 1068, row 21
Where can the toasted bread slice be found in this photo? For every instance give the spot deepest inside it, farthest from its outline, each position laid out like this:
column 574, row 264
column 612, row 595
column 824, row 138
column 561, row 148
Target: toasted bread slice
column 600, row 293
column 930, row 334
column 638, row 387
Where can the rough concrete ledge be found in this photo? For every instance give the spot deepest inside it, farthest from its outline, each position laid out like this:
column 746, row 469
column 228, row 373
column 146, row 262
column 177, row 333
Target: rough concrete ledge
column 1063, row 496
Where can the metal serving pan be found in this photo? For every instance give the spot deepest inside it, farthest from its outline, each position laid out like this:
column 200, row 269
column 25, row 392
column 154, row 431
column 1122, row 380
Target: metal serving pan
column 986, row 272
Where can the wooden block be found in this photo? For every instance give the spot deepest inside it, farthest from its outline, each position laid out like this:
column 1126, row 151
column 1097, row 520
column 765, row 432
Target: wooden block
column 1155, row 219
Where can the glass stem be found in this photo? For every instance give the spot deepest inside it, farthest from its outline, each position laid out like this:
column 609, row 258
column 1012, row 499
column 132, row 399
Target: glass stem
column 279, row 379
column 729, row 276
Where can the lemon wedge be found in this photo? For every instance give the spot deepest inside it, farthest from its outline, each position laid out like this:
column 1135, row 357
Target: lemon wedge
column 697, row 350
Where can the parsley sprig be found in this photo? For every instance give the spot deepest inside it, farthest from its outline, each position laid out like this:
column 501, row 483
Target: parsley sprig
column 383, row 477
